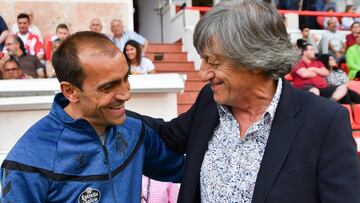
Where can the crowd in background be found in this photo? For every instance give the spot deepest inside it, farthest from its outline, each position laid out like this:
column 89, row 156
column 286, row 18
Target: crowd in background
column 25, row 53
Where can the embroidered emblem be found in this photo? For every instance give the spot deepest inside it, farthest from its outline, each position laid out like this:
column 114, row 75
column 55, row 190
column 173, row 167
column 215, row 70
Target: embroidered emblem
column 121, row 144
column 90, row 195
column 81, row 161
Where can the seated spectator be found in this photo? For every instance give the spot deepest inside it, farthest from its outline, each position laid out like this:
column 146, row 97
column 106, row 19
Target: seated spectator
column 323, row 5
column 30, row 65
column 96, row 25
column 288, row 5
column 62, row 32
column 12, row 70
column 120, row 37
column 350, row 38
column 307, row 37
column 3, row 33
column 49, row 68
column 158, row 192
column 309, row 75
column 326, row 19
column 137, row 63
column 353, row 59
column 346, row 22
column 332, row 41
column 31, row 41
column 32, row 28
column 337, row 76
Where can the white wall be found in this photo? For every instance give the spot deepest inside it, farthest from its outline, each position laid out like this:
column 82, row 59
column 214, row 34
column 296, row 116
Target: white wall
column 153, row 95
column 149, row 20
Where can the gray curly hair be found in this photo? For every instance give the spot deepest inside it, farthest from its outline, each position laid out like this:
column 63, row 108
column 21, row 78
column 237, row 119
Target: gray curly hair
column 250, row 34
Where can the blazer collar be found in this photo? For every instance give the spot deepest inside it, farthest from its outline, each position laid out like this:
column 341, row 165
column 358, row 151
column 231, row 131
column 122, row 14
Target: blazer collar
column 283, row 131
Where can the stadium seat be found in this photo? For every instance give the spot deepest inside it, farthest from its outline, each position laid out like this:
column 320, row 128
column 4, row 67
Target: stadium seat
column 349, row 108
column 356, row 116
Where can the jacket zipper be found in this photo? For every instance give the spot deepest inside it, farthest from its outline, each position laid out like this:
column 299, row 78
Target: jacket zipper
column 106, row 162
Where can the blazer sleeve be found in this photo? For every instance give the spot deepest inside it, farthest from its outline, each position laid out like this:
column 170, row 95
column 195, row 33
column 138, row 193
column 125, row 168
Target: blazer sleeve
column 339, row 165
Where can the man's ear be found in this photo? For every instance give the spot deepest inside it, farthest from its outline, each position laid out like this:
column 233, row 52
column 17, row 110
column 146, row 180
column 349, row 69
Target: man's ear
column 70, row 91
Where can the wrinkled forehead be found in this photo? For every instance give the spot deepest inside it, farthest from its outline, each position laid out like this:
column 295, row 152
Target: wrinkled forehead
column 210, row 47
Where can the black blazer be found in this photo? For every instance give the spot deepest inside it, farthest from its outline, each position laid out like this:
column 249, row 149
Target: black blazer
column 310, row 155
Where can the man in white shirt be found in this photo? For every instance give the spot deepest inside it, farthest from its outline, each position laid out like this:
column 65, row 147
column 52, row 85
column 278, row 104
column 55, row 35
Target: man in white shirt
column 32, row 28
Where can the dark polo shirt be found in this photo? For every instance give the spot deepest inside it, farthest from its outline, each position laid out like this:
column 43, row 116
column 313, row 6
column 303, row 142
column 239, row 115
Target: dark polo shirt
column 29, row 64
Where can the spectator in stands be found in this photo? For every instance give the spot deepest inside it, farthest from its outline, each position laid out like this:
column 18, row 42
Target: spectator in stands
column 3, row 33
column 353, row 59
column 307, row 37
column 238, row 147
column 332, row 41
column 308, row 5
column 326, row 19
column 351, row 38
column 30, row 65
column 138, row 64
column 289, row 5
column 96, row 25
column 12, row 70
column 62, row 32
column 32, row 28
column 87, row 149
column 31, row 41
column 120, row 37
column 336, row 75
column 158, row 192
column 346, row 22
column 323, row 5
column 309, row 75
column 49, row 68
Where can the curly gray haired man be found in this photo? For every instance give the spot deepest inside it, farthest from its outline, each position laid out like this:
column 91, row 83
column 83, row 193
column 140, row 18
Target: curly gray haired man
column 250, row 136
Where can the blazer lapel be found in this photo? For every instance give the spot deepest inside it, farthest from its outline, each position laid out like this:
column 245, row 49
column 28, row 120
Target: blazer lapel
column 283, row 131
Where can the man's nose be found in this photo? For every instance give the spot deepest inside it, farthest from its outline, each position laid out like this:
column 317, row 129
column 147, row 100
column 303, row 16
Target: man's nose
column 123, row 92
column 206, row 72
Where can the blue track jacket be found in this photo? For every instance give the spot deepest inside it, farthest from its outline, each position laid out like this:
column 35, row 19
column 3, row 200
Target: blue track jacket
column 63, row 160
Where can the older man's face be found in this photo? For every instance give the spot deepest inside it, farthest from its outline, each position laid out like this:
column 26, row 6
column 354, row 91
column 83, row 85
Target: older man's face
column 12, row 71
column 117, row 27
column 95, row 25
column 332, row 24
column 11, row 45
column 228, row 82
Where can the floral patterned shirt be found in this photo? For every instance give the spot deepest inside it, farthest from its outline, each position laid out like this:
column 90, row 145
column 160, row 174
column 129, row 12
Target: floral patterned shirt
column 231, row 163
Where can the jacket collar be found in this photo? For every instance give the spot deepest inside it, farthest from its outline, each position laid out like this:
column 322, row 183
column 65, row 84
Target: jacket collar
column 57, row 111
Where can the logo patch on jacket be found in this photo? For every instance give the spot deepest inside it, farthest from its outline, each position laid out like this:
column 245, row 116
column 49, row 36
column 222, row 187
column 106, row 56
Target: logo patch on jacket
column 121, row 144
column 90, row 195
column 81, row 161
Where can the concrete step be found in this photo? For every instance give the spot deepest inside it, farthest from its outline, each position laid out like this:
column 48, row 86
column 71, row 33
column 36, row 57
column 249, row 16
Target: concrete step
column 174, row 66
column 168, row 48
column 167, row 57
